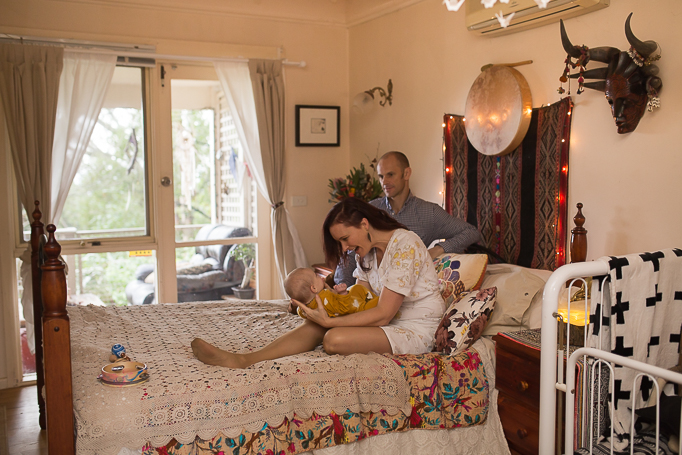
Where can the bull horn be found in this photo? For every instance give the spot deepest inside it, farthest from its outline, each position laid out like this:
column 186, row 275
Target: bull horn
column 599, row 85
column 597, row 73
column 643, row 48
column 603, row 54
column 570, row 49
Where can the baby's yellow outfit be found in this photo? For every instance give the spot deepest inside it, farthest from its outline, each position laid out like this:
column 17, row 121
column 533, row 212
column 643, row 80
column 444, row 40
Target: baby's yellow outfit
column 358, row 298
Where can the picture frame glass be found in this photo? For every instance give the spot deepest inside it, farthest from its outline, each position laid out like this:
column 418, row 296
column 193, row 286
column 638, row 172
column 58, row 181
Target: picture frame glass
column 317, row 125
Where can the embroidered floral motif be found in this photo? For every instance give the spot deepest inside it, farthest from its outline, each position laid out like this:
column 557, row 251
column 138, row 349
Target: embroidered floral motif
column 464, row 321
column 445, row 392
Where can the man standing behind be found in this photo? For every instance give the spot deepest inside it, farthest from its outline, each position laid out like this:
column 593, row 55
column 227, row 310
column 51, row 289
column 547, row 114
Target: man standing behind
column 426, row 219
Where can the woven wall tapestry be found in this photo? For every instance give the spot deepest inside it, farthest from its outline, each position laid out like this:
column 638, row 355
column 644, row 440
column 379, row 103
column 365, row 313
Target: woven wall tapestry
column 517, row 201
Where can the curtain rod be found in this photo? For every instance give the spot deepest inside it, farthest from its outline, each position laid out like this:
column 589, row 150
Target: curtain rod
column 185, row 58
column 125, row 50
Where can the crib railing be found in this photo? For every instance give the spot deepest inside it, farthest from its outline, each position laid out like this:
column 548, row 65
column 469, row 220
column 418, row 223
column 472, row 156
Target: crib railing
column 608, row 359
column 552, row 377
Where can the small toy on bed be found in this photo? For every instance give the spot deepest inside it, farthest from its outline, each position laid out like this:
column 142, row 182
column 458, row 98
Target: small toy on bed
column 122, row 371
column 118, row 354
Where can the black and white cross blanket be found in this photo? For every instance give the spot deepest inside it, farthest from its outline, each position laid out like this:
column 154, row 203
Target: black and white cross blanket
column 639, row 316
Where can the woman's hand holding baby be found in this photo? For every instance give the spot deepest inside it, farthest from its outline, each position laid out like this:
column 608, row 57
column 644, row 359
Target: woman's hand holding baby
column 318, row 315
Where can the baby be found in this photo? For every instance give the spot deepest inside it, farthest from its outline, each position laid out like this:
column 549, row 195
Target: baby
column 303, row 284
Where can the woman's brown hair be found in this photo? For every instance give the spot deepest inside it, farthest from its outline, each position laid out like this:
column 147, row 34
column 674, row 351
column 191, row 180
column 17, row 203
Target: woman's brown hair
column 350, row 212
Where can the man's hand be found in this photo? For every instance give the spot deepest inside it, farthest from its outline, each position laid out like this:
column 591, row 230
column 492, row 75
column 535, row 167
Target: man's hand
column 341, row 288
column 436, row 251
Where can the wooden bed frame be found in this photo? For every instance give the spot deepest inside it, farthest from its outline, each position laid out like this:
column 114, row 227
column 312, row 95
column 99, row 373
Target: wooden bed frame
column 53, row 335
column 53, row 338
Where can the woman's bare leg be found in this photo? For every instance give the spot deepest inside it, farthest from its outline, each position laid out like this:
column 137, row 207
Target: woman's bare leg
column 303, row 338
column 356, row 340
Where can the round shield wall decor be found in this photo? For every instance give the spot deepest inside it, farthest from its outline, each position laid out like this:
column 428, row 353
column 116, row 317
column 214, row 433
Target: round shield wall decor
column 498, row 110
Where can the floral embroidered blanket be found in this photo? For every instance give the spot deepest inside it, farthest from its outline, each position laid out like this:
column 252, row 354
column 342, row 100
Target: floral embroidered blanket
column 445, row 392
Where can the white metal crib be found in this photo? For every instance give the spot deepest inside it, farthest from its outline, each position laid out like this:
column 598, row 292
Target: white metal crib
column 552, row 372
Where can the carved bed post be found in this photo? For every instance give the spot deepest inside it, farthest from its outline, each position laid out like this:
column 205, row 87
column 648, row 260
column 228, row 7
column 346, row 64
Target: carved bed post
column 579, row 237
column 36, row 233
column 57, row 352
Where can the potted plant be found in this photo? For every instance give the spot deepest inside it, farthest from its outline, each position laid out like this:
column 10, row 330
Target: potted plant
column 358, row 183
column 245, row 252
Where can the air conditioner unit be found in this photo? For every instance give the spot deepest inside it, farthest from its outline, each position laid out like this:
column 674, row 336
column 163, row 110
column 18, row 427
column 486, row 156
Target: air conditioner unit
column 527, row 14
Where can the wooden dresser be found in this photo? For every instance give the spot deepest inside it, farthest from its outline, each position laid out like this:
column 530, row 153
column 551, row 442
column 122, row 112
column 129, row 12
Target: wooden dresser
column 518, row 382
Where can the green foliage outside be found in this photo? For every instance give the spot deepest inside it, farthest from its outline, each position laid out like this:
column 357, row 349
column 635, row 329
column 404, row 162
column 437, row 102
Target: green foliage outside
column 245, row 252
column 192, row 139
column 107, row 274
column 109, row 193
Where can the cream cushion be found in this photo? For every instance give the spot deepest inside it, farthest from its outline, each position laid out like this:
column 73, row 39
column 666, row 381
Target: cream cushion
column 516, row 287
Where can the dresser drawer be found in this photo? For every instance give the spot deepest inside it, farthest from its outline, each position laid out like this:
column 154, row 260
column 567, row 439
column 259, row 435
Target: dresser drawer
column 519, row 377
column 520, row 423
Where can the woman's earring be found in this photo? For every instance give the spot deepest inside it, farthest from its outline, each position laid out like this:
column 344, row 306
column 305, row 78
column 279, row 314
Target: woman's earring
column 369, row 237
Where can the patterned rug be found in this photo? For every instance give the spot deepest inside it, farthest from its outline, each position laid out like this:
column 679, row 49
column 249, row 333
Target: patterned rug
column 517, row 201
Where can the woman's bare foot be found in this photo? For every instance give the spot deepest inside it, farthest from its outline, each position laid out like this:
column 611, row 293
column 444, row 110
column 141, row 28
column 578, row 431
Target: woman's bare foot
column 211, row 355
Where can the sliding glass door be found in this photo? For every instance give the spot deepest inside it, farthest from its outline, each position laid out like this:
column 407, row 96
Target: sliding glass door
column 208, row 189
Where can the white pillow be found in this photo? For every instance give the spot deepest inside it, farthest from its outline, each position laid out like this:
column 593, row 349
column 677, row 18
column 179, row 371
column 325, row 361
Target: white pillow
column 516, row 287
column 532, row 318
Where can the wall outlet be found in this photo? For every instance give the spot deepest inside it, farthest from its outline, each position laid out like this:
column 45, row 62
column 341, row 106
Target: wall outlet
column 299, row 201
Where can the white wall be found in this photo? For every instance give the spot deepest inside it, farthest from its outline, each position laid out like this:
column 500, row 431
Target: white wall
column 629, row 184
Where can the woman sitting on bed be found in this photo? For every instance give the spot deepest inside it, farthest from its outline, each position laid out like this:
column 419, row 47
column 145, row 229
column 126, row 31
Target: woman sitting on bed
column 393, row 262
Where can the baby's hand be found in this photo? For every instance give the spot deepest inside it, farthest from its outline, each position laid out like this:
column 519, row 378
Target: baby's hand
column 341, row 288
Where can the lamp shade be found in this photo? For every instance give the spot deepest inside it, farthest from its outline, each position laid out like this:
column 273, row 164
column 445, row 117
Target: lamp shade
column 363, row 103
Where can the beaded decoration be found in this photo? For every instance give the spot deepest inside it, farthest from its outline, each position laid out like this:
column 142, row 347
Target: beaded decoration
column 497, row 204
column 641, row 61
column 580, row 62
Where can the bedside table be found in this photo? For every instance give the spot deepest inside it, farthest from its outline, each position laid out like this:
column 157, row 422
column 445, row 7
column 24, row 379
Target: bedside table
column 518, row 382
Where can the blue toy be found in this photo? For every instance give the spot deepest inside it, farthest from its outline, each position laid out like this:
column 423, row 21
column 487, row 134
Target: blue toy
column 118, row 350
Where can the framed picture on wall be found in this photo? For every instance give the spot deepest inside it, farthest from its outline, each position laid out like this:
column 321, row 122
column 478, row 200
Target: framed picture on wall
column 318, row 126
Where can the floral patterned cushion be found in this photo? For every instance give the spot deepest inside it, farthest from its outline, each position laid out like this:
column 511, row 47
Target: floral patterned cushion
column 459, row 273
column 464, row 321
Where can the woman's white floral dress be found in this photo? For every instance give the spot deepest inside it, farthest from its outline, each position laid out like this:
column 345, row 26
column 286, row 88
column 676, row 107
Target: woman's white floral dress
column 406, row 268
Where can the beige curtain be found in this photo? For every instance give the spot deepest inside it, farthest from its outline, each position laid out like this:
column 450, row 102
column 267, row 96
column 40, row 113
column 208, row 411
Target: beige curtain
column 268, row 92
column 29, row 85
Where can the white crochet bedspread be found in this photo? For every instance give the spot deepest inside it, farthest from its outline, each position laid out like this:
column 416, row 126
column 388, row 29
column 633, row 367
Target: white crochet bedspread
column 185, row 398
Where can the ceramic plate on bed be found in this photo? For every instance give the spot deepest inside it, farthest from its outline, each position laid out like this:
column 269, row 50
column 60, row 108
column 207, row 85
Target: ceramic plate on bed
column 122, row 373
column 144, row 377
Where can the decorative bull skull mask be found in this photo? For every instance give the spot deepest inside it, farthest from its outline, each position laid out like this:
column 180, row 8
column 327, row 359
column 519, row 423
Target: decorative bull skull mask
column 629, row 80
